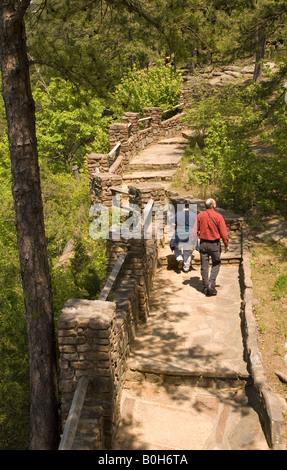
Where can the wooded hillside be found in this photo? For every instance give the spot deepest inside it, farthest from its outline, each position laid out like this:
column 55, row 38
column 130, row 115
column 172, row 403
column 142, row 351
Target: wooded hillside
column 88, row 63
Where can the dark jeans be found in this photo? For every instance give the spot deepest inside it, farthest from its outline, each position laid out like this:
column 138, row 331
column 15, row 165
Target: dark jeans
column 209, row 250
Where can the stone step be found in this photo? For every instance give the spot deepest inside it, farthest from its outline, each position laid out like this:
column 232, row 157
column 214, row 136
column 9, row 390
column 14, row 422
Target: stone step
column 143, row 176
column 153, row 370
column 142, row 166
column 162, row 156
column 179, row 140
column 183, row 418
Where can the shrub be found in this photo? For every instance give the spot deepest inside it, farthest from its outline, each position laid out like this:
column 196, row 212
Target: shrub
column 240, row 178
column 69, row 124
column 280, row 285
column 160, row 86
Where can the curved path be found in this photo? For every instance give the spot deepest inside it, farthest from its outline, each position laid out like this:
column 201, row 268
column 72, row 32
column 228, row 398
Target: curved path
column 188, row 386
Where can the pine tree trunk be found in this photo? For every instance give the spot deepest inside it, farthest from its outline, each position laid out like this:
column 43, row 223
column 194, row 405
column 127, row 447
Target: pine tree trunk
column 193, row 59
column 259, row 56
column 31, row 238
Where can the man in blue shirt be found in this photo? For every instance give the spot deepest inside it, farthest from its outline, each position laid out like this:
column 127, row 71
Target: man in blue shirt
column 185, row 236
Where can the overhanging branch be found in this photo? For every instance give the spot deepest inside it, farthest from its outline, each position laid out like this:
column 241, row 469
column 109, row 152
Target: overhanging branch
column 135, row 7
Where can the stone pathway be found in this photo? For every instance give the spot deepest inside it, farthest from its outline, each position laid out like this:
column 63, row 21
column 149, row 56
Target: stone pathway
column 188, row 387
column 188, row 418
column 158, row 162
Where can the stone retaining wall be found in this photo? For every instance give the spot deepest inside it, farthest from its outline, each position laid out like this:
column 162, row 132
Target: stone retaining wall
column 132, row 139
column 274, row 407
column 95, row 336
column 172, row 127
column 94, row 341
column 101, row 188
column 87, row 338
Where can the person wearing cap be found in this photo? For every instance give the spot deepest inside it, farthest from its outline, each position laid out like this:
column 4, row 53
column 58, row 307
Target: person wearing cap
column 211, row 227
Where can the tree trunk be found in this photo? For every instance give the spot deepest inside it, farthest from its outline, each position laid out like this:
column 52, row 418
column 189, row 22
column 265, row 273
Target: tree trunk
column 20, row 113
column 259, row 57
column 193, row 59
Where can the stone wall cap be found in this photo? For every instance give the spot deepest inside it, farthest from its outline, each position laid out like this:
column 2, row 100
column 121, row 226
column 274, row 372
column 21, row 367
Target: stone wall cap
column 98, row 311
column 130, row 113
column 119, row 125
column 97, row 155
column 106, row 176
column 146, row 186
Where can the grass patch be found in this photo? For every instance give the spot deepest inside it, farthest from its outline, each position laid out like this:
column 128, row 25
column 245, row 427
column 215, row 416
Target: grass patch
column 280, row 286
column 269, row 276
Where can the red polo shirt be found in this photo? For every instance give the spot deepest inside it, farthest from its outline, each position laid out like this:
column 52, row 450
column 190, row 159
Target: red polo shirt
column 207, row 230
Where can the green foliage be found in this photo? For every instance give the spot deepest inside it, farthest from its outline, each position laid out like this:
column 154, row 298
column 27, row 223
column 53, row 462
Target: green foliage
column 160, row 86
column 88, row 266
column 228, row 165
column 240, row 107
column 278, row 139
column 66, row 206
column 14, row 373
column 240, row 178
column 82, row 276
column 69, row 124
column 5, row 167
column 280, row 286
column 90, row 44
column 14, row 381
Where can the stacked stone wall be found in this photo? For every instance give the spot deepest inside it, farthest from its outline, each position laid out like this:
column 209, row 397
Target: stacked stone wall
column 101, row 188
column 132, row 139
column 97, row 162
column 94, row 341
column 142, row 193
column 95, row 336
column 172, row 127
column 121, row 133
column 87, row 340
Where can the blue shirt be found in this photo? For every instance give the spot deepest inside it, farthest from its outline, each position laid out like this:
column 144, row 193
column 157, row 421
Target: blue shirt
column 185, row 227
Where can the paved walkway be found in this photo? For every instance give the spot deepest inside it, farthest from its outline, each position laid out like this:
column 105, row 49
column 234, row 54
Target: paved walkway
column 158, row 162
column 188, row 387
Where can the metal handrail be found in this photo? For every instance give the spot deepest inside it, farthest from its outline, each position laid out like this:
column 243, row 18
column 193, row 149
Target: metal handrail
column 73, row 419
column 180, row 105
column 145, row 119
column 114, row 149
column 112, row 277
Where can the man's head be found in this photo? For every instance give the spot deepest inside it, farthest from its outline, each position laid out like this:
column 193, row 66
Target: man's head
column 210, row 203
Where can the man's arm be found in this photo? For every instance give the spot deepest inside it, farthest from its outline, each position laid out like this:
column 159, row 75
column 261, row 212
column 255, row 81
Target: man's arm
column 223, row 233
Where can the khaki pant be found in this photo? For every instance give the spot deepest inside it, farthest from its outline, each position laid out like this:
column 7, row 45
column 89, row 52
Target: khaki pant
column 185, row 256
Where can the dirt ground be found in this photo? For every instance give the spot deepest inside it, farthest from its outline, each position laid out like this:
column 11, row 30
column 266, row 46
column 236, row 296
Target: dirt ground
column 268, row 264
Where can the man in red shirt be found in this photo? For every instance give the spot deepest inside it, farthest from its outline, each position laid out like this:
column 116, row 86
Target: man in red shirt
column 211, row 228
